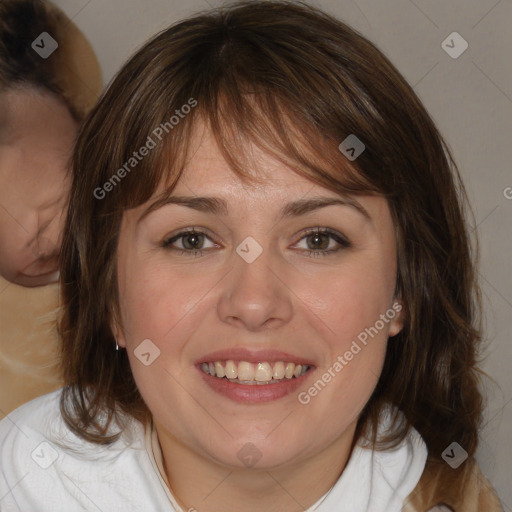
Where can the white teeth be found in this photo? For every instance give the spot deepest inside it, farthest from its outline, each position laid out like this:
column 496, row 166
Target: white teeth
column 245, row 371
column 231, row 370
column 262, row 373
column 278, row 373
column 219, row 369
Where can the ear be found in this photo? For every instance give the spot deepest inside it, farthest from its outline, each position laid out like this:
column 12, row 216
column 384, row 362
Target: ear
column 397, row 322
column 117, row 328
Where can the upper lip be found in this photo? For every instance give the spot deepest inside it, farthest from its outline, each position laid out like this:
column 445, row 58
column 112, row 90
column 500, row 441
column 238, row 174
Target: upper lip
column 253, row 356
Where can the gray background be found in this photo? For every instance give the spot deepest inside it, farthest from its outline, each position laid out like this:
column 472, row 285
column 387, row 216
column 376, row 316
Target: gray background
column 470, row 98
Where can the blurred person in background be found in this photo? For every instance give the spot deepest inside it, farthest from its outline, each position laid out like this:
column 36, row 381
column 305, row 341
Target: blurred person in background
column 49, row 80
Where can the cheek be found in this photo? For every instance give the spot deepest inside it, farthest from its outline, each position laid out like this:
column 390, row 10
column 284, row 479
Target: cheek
column 348, row 312
column 155, row 304
column 352, row 301
column 354, row 349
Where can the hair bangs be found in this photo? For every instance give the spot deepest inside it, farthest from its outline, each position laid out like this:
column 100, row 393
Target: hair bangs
column 239, row 120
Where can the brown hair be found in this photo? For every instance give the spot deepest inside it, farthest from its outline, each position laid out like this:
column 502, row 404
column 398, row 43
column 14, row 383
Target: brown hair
column 72, row 72
column 296, row 82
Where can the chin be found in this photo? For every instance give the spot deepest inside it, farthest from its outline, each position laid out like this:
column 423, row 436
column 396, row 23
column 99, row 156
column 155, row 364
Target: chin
column 258, row 454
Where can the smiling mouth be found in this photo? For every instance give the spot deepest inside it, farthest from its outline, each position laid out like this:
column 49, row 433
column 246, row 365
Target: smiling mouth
column 262, row 373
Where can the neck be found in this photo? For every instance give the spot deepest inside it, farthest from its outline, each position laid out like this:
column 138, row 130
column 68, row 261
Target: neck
column 199, row 483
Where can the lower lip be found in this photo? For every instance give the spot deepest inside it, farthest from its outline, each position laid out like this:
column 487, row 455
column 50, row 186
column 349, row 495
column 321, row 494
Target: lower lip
column 256, row 393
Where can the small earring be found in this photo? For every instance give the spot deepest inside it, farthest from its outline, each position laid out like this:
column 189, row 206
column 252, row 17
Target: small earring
column 117, row 346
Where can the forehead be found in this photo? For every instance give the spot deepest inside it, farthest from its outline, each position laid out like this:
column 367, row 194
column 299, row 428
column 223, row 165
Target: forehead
column 207, row 171
column 209, row 184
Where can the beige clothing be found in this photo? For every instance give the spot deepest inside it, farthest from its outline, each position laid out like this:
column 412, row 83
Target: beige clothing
column 28, row 343
column 464, row 489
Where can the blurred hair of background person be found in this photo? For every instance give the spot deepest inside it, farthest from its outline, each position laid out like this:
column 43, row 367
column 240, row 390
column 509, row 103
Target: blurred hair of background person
column 49, row 80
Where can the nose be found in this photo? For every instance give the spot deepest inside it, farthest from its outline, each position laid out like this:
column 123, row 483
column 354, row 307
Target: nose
column 255, row 295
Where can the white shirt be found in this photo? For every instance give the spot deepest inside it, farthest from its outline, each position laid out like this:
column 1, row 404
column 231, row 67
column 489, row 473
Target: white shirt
column 44, row 467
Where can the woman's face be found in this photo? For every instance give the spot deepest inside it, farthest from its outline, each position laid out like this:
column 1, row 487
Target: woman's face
column 37, row 133
column 250, row 288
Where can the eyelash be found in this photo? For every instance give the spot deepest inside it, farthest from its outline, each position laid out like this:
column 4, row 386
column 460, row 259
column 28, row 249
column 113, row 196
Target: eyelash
column 341, row 240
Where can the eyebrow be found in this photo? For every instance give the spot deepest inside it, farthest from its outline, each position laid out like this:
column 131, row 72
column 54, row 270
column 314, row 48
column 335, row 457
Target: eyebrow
column 217, row 206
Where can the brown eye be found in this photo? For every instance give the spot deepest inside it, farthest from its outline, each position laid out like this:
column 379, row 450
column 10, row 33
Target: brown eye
column 193, row 240
column 319, row 240
column 189, row 241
